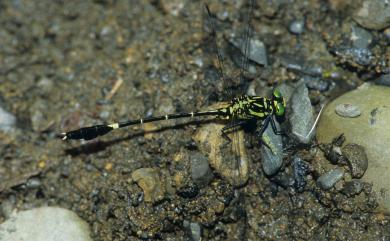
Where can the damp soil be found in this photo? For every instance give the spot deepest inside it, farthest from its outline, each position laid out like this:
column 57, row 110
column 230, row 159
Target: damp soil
column 67, row 64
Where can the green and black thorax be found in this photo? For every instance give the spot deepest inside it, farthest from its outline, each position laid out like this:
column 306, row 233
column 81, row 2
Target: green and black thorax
column 254, row 107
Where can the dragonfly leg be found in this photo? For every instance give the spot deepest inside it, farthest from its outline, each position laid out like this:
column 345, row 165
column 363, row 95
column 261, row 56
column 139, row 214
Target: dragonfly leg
column 276, row 131
column 230, row 126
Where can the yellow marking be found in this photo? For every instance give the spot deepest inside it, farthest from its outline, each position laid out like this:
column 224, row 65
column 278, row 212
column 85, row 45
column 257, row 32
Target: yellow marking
column 258, row 104
column 114, row 126
column 166, row 117
column 64, row 134
column 258, row 114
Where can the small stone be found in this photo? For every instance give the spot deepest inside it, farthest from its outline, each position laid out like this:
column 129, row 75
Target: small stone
column 317, row 84
column 360, row 37
column 201, row 172
column 271, row 150
column 301, row 169
column 258, row 52
column 348, row 110
column 105, row 114
column 33, row 183
column 356, row 158
column 149, row 180
column 387, row 34
column 188, row 191
column 297, row 26
column 7, row 206
column 383, row 80
column 373, row 14
column 45, row 224
column 330, row 178
column 172, row 7
column 45, row 84
column 194, row 230
column 301, row 117
column 354, row 56
column 352, row 188
column 7, row 121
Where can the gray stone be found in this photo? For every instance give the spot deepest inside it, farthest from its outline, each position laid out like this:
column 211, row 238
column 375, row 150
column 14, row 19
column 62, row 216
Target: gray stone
column 258, row 52
column 371, row 130
column 200, row 170
column 301, row 116
column 360, row 37
column 383, row 80
column 297, row 26
column 356, row 158
column 45, row 224
column 271, row 150
column 7, row 120
column 348, row 110
column 330, row 178
column 373, row 14
column 352, row 188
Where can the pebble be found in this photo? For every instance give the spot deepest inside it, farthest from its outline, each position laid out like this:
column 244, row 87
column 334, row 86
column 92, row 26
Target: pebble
column 258, row 52
column 39, row 115
column 383, row 80
column 371, row 130
column 330, row 178
column 7, row 121
column 201, row 172
column 301, row 116
column 283, row 179
column 194, row 230
column 271, row 150
column 360, row 37
column 298, row 64
column 317, row 84
column 301, row 169
column 45, row 85
column 188, row 191
column 33, row 183
column 356, row 158
column 352, row 188
column 7, row 206
column 373, row 14
column 352, row 55
column 172, row 7
column 348, row 110
column 45, row 224
column 297, row 26
column 149, row 180
column 387, row 34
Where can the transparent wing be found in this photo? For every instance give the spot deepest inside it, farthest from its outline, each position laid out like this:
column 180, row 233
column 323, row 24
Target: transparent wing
column 236, row 165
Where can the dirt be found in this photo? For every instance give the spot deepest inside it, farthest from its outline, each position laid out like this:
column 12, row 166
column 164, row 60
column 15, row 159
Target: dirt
column 59, row 64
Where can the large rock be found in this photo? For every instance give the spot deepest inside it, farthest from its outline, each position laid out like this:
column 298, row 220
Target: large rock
column 371, row 130
column 45, row 224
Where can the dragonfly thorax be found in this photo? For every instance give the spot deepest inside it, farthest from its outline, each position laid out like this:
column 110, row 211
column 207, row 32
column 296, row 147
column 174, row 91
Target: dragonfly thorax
column 250, row 107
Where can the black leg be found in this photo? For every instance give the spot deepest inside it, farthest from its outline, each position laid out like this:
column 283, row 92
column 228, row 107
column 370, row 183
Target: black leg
column 229, row 127
column 274, row 127
column 265, row 125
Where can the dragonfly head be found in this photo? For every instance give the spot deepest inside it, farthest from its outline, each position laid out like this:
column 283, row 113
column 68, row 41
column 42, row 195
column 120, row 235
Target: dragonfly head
column 279, row 104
